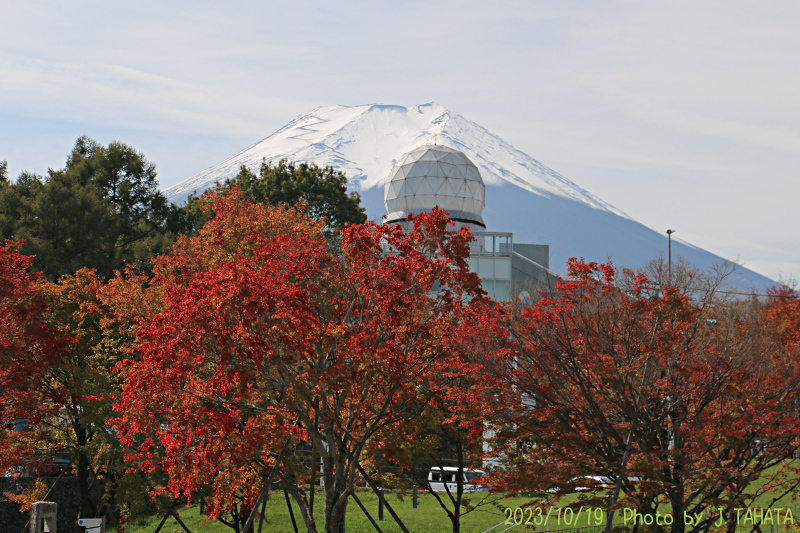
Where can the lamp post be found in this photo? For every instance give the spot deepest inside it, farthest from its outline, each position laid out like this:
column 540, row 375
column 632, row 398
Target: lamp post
column 669, row 255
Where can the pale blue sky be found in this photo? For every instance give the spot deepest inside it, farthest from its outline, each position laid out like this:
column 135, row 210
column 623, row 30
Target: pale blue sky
column 684, row 114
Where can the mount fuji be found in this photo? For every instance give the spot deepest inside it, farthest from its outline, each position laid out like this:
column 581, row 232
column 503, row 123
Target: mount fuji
column 523, row 196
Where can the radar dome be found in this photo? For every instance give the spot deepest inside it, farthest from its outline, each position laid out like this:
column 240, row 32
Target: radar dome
column 434, row 175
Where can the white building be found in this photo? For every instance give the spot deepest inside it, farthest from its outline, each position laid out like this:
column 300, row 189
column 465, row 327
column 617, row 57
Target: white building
column 434, row 175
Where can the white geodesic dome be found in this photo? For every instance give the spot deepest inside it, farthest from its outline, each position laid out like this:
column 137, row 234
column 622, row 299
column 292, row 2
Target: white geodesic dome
column 434, row 175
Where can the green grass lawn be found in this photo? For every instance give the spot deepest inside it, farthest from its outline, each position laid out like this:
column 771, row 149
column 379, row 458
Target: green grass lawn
column 427, row 518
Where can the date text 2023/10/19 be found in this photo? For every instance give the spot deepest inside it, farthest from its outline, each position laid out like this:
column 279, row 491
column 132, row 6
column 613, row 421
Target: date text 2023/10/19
column 567, row 516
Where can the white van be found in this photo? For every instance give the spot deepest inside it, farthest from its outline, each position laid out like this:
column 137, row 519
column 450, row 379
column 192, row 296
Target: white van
column 438, row 478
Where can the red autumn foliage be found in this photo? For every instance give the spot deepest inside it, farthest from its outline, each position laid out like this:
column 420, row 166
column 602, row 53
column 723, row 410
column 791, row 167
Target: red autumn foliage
column 784, row 311
column 450, row 430
column 100, row 317
column 269, row 336
column 29, row 347
column 616, row 377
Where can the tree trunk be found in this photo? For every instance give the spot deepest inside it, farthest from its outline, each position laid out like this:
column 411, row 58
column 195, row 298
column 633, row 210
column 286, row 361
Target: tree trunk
column 88, row 508
column 335, row 510
column 337, row 492
column 306, row 508
column 678, row 525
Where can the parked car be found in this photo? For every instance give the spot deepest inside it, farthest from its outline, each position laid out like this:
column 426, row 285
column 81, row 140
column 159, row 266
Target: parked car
column 592, row 482
column 55, row 463
column 441, row 477
column 583, row 484
column 759, row 447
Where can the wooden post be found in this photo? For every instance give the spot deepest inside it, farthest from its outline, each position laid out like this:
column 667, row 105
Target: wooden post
column 178, row 518
column 291, row 513
column 161, row 524
column 380, row 504
column 369, row 516
column 389, row 507
column 261, row 518
column 313, row 476
column 174, row 515
column 414, row 502
column 249, row 524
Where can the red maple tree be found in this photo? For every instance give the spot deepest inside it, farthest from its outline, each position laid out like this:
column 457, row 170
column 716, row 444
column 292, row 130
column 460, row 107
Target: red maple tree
column 676, row 401
column 30, row 346
column 270, row 338
column 451, row 430
column 100, row 317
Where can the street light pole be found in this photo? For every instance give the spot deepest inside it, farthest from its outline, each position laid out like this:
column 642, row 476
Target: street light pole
column 669, row 255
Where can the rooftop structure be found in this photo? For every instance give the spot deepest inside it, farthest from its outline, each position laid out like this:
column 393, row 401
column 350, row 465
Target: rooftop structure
column 434, row 175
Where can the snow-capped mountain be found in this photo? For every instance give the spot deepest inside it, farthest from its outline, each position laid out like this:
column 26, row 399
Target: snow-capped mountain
column 522, row 195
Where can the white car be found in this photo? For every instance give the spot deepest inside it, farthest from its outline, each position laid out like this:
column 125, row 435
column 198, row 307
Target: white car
column 585, row 483
column 439, row 478
column 593, row 482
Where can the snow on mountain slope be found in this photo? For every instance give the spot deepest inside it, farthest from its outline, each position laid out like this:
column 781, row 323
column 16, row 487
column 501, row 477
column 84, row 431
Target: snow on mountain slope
column 364, row 142
column 535, row 202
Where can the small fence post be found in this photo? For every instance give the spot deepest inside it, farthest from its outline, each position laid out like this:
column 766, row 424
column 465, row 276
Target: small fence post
column 43, row 517
column 380, row 505
column 414, row 502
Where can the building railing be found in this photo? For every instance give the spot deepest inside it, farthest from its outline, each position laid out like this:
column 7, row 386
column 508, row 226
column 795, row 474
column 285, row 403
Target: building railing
column 492, row 243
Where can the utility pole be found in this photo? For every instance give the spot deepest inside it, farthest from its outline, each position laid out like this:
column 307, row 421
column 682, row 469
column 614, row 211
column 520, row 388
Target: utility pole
column 669, row 255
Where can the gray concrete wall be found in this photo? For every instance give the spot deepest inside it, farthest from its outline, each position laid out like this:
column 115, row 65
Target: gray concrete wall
column 538, row 253
column 529, row 269
column 66, row 495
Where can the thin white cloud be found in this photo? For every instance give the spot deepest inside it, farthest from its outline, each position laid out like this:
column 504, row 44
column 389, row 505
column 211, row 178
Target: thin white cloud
column 622, row 96
column 130, row 98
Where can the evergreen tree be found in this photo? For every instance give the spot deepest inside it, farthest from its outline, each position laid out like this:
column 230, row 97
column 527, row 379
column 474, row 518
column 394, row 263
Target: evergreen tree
column 66, row 226
column 323, row 189
column 101, row 211
column 13, row 196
